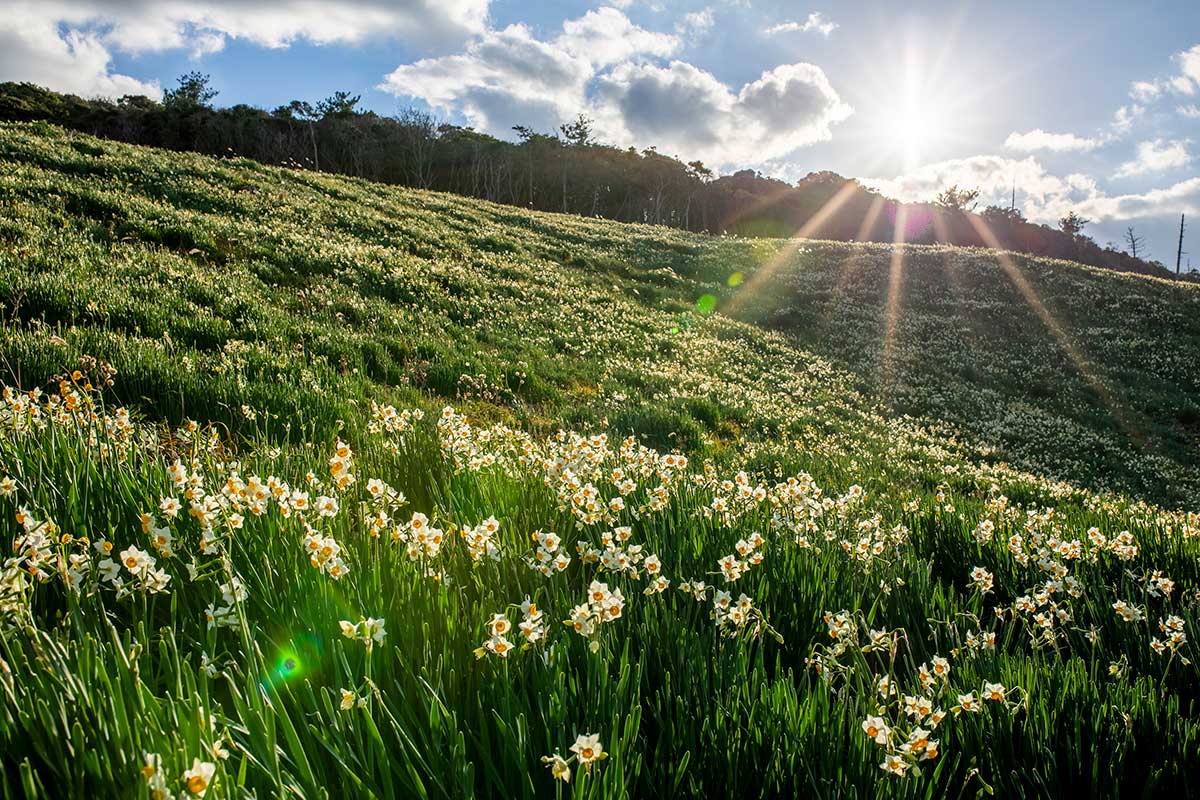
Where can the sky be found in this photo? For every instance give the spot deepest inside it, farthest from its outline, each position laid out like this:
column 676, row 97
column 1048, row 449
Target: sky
column 1085, row 106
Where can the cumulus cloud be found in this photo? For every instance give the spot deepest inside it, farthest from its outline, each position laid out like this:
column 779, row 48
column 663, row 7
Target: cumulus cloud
column 696, row 23
column 68, row 44
column 686, row 110
column 607, row 67
column 815, row 23
column 1039, row 139
column 606, row 36
column 1124, row 118
column 504, row 78
column 1156, row 156
column 73, row 61
column 1189, row 64
column 994, row 176
column 1186, row 81
column 1181, row 197
column 1044, row 197
column 509, row 77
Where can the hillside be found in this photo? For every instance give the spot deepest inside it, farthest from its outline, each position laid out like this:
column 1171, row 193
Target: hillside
column 1064, row 370
column 948, row 493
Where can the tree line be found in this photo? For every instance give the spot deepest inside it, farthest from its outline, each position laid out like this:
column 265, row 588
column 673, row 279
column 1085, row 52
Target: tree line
column 566, row 171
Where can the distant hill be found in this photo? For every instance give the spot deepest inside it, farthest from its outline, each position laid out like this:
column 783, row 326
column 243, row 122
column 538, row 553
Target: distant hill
column 566, row 171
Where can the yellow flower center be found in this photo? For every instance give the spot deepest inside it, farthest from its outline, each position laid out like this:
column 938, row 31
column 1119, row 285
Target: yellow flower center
column 196, row 784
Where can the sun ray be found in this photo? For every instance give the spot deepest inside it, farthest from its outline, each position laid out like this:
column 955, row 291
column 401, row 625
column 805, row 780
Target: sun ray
column 750, row 209
column 895, row 288
column 954, row 281
column 852, row 264
column 1078, row 360
column 764, row 273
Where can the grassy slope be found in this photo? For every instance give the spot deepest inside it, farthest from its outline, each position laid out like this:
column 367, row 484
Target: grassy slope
column 320, row 276
column 1066, row 370
column 216, row 284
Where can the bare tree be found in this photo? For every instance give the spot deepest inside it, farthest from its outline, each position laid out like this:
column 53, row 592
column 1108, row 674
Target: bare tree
column 304, row 111
column 1133, row 241
column 419, row 137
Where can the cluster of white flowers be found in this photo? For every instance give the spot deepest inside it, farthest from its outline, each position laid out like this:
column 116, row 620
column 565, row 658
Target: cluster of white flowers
column 482, row 540
column 549, row 557
column 602, row 605
column 368, row 630
column 233, row 594
column 747, row 553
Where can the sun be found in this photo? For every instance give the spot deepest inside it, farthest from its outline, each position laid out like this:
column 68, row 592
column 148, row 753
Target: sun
column 917, row 108
column 918, row 128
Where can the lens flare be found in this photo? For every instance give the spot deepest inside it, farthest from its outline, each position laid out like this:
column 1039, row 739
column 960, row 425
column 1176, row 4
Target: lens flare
column 288, row 665
column 295, row 659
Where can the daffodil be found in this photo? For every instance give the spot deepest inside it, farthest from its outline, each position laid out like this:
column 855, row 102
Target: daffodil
column 876, row 730
column 199, row 777
column 558, row 767
column 587, row 749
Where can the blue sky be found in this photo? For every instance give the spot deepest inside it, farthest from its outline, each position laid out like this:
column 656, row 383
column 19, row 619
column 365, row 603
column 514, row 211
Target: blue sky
column 1086, row 106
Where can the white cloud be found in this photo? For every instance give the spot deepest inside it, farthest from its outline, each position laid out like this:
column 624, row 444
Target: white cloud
column 1044, row 197
column 815, row 23
column 505, row 78
column 606, row 36
column 994, row 176
column 1181, row 197
column 1039, row 139
column 75, row 62
column 1145, row 91
column 604, row 65
column 68, row 44
column 509, row 77
column 1186, row 82
column 686, row 111
column 1156, row 156
column 1189, row 65
column 1191, row 111
column 696, row 23
column 1124, row 118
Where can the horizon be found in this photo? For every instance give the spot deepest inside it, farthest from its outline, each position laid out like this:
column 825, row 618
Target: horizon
column 908, row 101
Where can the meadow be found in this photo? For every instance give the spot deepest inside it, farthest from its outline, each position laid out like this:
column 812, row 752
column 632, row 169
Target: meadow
column 322, row 488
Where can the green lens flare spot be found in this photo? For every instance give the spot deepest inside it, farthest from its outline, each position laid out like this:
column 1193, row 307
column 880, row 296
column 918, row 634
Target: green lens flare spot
column 288, row 666
column 706, row 304
column 736, row 278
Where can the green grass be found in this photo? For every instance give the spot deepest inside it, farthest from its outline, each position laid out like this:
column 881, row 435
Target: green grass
column 275, row 307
